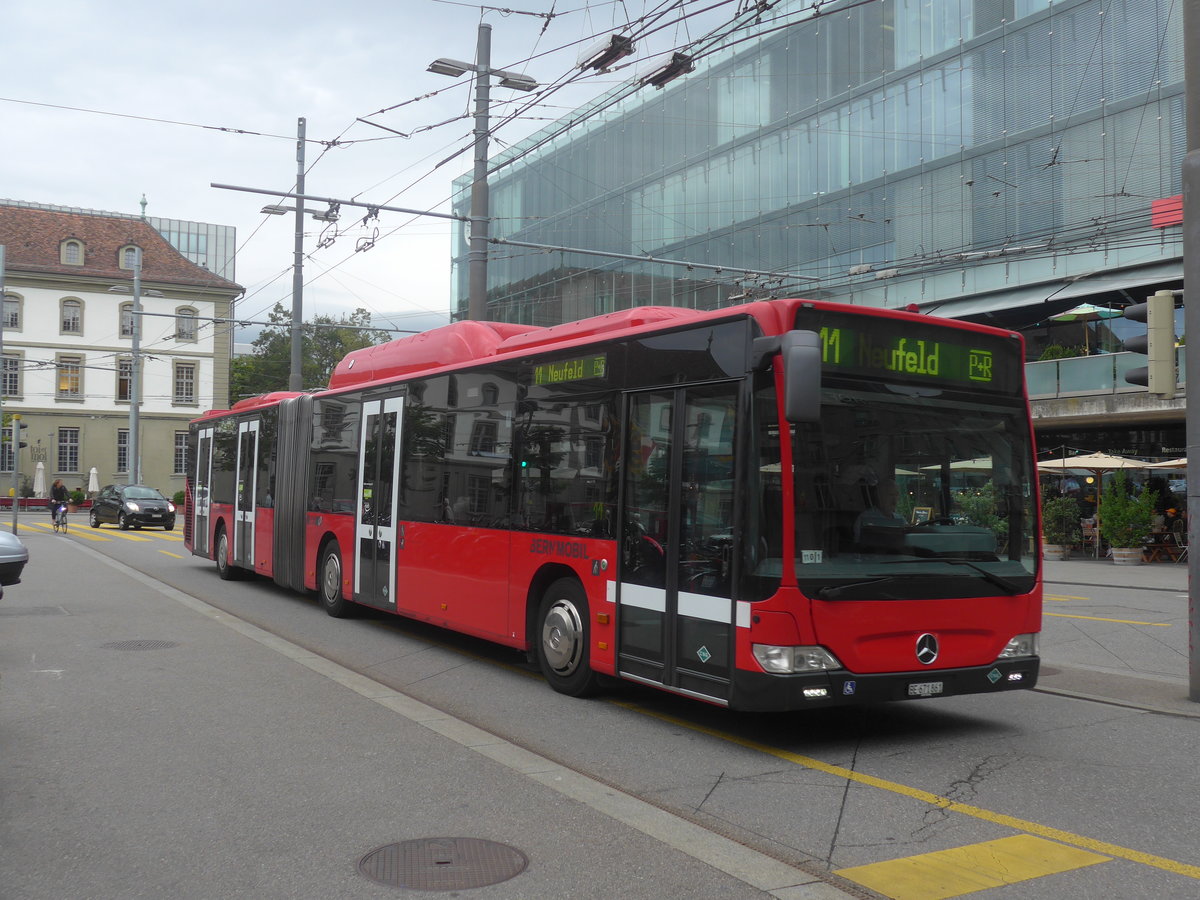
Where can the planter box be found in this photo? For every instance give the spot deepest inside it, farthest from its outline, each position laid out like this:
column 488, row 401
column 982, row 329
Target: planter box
column 1127, row 556
column 1056, row 551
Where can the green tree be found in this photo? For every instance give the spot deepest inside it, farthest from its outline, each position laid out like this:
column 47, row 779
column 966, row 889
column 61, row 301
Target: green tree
column 323, row 344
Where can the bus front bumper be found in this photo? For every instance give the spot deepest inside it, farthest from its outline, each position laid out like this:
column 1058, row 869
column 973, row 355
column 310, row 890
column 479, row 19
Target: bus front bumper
column 760, row 691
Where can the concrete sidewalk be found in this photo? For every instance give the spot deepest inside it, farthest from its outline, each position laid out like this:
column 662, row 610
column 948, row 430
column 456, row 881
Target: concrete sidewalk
column 1152, row 673
column 1166, row 576
column 154, row 746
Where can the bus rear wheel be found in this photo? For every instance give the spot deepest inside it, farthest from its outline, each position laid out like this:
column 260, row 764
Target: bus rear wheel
column 329, row 586
column 225, row 569
column 562, row 639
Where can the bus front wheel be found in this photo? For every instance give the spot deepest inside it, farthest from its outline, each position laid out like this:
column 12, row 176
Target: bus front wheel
column 330, row 585
column 562, row 639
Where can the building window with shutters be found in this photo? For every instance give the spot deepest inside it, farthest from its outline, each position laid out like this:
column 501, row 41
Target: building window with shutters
column 126, row 320
column 10, row 375
column 122, row 449
column 125, row 379
column 12, row 312
column 70, row 253
column 72, row 316
column 68, row 449
column 69, row 377
column 185, row 324
column 185, row 383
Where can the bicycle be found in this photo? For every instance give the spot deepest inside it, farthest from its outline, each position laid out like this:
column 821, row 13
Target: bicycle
column 60, row 519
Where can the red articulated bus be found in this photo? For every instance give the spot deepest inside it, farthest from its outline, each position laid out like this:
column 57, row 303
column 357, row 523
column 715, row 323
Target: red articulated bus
column 782, row 505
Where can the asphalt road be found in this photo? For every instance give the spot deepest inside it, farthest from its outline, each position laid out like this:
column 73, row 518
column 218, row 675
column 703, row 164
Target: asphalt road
column 1026, row 794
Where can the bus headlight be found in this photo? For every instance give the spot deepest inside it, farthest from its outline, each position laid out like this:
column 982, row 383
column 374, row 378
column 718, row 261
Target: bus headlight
column 1021, row 645
column 789, row 660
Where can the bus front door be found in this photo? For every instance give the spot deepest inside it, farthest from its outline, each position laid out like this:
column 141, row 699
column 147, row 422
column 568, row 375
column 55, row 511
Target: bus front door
column 376, row 531
column 674, row 598
column 200, row 491
column 243, row 515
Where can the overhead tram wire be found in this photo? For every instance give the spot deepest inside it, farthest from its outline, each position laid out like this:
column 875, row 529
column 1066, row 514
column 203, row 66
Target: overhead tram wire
column 573, row 76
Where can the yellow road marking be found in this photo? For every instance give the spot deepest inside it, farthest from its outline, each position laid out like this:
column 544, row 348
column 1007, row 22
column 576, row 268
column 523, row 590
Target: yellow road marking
column 964, row 870
column 142, row 535
column 1007, row 821
column 1064, row 597
column 46, row 526
column 109, row 533
column 1100, row 619
column 169, row 553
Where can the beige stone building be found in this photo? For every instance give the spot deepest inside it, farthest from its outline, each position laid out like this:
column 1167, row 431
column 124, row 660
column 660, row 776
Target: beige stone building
column 68, row 347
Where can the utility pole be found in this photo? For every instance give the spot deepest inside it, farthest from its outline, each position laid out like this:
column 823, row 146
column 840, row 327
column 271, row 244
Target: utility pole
column 2, row 295
column 1191, row 317
column 135, row 374
column 295, row 379
column 477, row 255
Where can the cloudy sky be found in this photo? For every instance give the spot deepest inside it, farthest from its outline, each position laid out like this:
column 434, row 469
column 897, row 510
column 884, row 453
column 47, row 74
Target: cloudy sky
column 103, row 103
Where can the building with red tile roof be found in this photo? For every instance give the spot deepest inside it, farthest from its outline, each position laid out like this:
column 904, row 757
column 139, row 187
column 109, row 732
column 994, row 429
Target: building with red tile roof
column 68, row 344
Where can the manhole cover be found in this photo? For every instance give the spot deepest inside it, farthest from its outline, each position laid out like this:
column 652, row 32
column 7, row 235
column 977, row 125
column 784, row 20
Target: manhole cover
column 139, row 645
column 443, row 864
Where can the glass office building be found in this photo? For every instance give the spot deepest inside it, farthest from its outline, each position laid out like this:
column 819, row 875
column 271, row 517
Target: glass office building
column 995, row 159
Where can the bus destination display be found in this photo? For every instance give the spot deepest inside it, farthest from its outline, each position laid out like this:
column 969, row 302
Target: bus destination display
column 895, row 350
column 579, row 369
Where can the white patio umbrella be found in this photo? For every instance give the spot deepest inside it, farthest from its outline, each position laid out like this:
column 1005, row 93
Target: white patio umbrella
column 1093, row 462
column 93, row 481
column 39, row 480
column 1179, row 464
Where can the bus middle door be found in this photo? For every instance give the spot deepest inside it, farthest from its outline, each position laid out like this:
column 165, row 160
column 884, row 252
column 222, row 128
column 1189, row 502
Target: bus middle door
column 674, row 594
column 243, row 514
column 378, row 475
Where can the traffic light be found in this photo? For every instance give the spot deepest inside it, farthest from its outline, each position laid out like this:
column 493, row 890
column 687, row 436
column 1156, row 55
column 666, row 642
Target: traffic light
column 1158, row 344
column 16, row 432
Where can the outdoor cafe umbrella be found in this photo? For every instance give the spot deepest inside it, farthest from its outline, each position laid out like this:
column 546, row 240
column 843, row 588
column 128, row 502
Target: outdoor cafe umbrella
column 93, row 481
column 1097, row 463
column 1179, row 464
column 39, row 480
column 1086, row 312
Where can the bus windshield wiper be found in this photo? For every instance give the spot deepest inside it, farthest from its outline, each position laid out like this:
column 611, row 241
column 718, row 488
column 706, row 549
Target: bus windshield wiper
column 1009, row 586
column 833, row 593
column 1000, row 581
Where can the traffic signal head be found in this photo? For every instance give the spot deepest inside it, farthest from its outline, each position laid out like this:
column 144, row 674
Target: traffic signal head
column 18, row 428
column 1158, row 344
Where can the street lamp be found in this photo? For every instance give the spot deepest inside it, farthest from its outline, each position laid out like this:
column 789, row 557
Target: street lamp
column 477, row 254
column 135, row 375
column 321, row 215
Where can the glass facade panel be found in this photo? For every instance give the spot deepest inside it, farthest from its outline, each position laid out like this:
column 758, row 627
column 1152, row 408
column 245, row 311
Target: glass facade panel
column 911, row 135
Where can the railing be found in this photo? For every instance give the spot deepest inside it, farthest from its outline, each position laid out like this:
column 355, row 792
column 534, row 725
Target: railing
column 1103, row 373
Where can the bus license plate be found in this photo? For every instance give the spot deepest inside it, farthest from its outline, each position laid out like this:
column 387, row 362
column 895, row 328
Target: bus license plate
column 924, row 688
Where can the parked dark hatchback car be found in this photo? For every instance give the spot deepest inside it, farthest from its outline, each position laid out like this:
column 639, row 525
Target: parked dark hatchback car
column 132, row 506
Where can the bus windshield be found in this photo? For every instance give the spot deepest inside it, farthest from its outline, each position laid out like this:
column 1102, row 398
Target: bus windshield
column 903, row 492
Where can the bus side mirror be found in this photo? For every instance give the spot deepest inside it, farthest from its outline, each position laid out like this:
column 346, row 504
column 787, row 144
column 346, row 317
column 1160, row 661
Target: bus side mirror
column 801, row 351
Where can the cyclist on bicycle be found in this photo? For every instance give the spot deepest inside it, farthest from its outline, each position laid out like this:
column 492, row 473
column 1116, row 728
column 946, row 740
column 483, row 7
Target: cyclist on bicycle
column 58, row 497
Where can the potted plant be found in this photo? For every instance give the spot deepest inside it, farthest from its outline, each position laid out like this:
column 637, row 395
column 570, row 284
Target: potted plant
column 1125, row 520
column 74, row 500
column 1060, row 527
